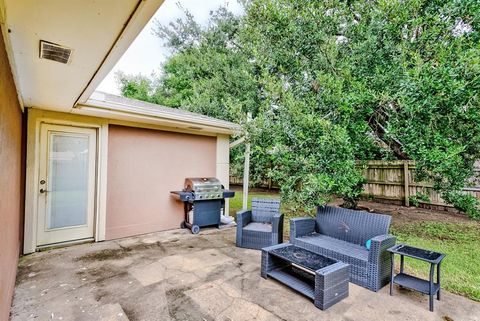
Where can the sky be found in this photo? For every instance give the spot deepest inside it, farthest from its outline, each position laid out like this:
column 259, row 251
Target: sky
column 146, row 54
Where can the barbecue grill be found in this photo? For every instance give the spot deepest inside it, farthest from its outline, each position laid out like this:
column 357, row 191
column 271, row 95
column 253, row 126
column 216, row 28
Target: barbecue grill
column 204, row 202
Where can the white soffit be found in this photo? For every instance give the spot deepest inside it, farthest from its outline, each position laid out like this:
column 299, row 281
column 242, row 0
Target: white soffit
column 97, row 31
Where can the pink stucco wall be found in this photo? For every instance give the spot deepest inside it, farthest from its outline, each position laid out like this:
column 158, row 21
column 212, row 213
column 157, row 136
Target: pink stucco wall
column 11, row 187
column 143, row 167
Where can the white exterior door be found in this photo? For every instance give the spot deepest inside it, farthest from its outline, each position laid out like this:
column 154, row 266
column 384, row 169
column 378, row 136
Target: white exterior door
column 66, row 193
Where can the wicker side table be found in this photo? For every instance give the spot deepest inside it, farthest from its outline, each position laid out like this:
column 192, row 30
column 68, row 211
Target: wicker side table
column 411, row 282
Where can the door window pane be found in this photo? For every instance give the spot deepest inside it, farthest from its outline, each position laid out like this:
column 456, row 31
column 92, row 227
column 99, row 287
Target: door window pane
column 67, row 199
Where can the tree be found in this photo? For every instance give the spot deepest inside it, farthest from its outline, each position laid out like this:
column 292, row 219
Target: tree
column 136, row 87
column 331, row 82
column 208, row 72
column 310, row 158
column 402, row 78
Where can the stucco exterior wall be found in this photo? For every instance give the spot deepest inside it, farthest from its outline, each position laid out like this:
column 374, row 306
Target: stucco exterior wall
column 143, row 167
column 11, row 188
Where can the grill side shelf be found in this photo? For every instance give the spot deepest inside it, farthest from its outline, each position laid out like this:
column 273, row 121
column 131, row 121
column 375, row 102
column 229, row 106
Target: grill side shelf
column 228, row 193
column 183, row 196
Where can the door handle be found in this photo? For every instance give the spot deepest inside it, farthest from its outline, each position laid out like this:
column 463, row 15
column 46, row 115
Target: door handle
column 42, row 190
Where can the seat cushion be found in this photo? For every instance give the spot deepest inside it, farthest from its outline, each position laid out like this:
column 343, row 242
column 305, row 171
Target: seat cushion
column 334, row 248
column 259, row 227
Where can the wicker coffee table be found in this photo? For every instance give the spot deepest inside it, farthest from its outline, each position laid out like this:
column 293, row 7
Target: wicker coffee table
column 321, row 279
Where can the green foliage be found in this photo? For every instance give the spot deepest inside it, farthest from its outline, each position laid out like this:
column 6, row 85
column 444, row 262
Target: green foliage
column 399, row 76
column 417, row 198
column 465, row 203
column 329, row 82
column 311, row 158
column 136, row 87
column 208, row 73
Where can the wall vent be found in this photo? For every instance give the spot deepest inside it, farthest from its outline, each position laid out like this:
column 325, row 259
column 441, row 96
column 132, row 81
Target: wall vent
column 52, row 51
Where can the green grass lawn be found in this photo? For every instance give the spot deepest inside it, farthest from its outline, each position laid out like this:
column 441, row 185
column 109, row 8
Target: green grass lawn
column 236, row 202
column 459, row 241
column 460, row 269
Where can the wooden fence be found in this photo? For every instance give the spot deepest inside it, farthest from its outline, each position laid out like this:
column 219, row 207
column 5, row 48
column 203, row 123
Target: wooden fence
column 393, row 182
column 267, row 183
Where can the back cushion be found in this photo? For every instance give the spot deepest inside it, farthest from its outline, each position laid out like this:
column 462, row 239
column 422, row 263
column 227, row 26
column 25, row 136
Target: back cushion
column 263, row 209
column 349, row 225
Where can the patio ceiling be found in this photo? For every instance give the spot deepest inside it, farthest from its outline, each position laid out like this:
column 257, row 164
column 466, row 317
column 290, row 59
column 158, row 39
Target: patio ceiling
column 98, row 32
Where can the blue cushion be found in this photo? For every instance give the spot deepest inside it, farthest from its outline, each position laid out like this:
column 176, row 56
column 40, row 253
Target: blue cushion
column 368, row 243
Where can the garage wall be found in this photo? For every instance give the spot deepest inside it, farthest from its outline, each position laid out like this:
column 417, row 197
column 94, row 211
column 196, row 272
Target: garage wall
column 11, row 188
column 143, row 167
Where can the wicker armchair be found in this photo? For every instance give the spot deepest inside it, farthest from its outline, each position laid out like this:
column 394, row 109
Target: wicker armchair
column 342, row 234
column 262, row 226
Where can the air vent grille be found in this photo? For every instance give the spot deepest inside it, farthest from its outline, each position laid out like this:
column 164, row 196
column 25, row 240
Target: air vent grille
column 54, row 52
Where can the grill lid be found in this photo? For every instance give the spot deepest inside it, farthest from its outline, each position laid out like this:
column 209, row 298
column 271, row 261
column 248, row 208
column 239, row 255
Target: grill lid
column 202, row 184
column 204, row 187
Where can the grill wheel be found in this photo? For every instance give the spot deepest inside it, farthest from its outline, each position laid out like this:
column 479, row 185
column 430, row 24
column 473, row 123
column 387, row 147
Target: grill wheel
column 195, row 229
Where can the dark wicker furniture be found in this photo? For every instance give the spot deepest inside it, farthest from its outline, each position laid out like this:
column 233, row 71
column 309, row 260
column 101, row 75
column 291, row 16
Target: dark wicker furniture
column 260, row 227
column 408, row 281
column 321, row 279
column 341, row 234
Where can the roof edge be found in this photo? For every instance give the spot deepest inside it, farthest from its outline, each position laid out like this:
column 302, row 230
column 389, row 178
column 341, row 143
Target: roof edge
column 129, row 108
column 143, row 12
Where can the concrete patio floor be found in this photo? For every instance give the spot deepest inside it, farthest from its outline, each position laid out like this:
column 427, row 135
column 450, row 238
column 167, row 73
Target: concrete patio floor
column 175, row 275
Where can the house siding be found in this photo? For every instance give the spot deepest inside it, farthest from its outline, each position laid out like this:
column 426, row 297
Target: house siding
column 143, row 167
column 11, row 187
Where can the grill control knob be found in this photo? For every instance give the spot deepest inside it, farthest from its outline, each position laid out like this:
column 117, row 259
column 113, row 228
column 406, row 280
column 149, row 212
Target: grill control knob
column 200, row 196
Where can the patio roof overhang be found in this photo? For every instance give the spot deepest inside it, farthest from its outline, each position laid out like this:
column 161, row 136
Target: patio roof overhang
column 98, row 32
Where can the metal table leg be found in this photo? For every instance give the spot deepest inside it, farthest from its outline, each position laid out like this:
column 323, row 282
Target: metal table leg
column 392, row 266
column 438, row 281
column 430, row 294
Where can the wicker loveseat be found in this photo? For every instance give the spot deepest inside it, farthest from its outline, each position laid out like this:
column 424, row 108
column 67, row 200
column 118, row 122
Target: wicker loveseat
column 342, row 234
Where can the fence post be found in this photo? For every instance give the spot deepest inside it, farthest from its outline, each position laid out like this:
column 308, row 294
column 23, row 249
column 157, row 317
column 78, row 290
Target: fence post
column 406, row 175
